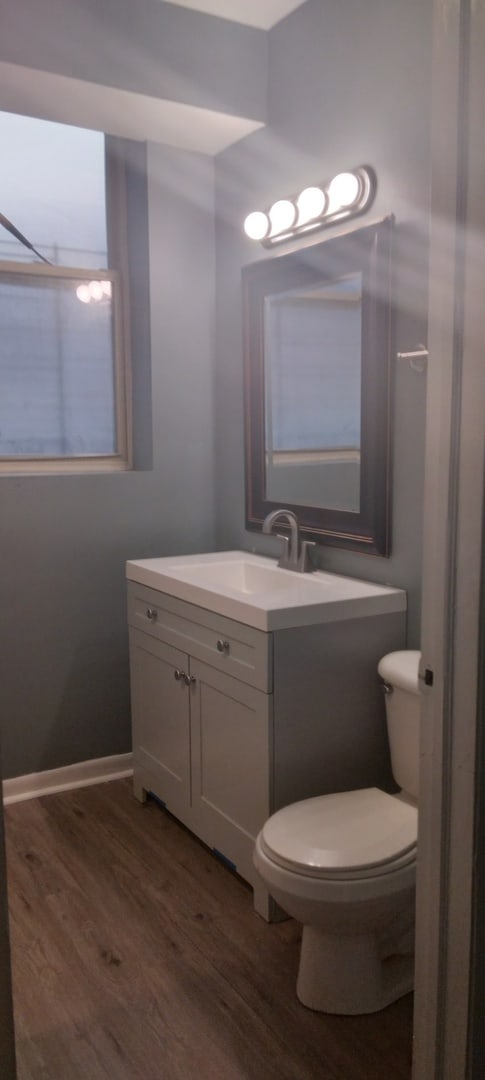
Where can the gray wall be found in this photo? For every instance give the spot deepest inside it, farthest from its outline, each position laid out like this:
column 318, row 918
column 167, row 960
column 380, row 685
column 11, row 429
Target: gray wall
column 348, row 85
column 64, row 540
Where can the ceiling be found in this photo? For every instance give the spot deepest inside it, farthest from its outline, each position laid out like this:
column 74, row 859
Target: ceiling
column 260, row 13
column 119, row 112
column 131, row 115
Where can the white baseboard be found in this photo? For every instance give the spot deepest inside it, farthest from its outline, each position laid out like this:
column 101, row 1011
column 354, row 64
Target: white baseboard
column 82, row 774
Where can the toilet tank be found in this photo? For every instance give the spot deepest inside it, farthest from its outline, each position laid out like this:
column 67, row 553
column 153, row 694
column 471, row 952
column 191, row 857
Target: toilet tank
column 399, row 670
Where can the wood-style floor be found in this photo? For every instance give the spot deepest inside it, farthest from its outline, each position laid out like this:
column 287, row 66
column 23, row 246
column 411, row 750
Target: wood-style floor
column 135, row 954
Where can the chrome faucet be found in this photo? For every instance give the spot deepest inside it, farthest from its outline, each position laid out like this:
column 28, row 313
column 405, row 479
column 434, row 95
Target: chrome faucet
column 294, row 556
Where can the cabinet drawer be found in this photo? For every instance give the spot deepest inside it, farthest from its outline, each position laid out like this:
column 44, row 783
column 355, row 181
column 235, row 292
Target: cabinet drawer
column 229, row 646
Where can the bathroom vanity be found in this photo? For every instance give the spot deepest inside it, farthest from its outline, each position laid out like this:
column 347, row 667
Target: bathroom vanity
column 253, row 687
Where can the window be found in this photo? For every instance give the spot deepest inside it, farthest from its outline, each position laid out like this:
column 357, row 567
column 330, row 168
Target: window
column 63, row 368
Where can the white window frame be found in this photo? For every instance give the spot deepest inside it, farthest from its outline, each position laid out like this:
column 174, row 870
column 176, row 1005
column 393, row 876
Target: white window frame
column 121, row 460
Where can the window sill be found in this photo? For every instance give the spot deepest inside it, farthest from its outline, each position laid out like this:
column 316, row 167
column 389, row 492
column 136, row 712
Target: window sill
column 63, row 466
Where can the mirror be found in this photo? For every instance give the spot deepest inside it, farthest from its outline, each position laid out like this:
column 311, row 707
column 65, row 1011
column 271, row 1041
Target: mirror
column 312, row 391
column 317, row 328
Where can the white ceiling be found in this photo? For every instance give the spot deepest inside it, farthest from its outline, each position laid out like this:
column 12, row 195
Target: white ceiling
column 260, row 13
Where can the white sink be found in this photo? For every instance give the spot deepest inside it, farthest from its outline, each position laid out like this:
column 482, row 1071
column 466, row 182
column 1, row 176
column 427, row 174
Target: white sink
column 254, row 590
column 244, row 575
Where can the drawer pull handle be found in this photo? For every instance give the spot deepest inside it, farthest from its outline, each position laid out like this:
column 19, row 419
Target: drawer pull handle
column 178, row 675
column 189, row 680
column 151, row 613
column 222, row 646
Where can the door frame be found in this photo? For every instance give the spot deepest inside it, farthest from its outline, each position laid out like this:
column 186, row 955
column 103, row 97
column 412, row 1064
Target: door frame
column 7, row 1040
column 452, row 563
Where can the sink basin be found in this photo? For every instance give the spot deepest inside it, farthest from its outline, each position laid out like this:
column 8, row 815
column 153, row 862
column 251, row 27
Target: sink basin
column 245, row 575
column 254, row 590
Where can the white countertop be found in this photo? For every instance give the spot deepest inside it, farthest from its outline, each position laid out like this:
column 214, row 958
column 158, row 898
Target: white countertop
column 254, row 590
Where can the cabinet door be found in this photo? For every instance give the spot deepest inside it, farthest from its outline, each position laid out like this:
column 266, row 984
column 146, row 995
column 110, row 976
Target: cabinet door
column 160, row 717
column 231, row 727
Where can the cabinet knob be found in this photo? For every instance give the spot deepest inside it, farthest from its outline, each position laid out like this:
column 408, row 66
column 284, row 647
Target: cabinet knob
column 151, row 613
column 189, row 680
column 222, row 646
column 178, row 675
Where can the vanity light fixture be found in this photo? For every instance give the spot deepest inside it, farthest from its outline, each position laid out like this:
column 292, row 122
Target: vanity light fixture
column 345, row 195
column 94, row 292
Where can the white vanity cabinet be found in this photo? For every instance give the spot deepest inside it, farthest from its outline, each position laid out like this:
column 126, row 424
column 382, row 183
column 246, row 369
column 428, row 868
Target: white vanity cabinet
column 161, row 721
column 202, row 717
column 231, row 722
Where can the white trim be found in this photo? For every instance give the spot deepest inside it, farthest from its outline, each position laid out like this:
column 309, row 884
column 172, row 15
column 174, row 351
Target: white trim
column 72, row 273
column 78, row 466
column 454, row 497
column 82, row 774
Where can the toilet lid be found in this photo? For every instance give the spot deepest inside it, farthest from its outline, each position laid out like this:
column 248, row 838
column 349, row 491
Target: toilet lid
column 346, row 833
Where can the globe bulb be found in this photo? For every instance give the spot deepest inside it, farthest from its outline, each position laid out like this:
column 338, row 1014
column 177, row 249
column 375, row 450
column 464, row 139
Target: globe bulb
column 343, row 191
column 256, row 225
column 311, row 204
column 95, row 290
column 83, row 294
column 282, row 216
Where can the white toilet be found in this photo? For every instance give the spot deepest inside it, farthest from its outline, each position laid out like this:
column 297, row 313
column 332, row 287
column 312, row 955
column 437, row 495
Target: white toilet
column 344, row 865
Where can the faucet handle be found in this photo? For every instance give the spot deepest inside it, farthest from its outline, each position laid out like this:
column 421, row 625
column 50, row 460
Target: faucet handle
column 284, row 559
column 305, row 564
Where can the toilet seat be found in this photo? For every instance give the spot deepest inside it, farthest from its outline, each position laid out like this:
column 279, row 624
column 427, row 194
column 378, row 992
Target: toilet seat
column 346, row 836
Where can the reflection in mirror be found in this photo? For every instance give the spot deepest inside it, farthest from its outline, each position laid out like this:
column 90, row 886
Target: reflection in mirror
column 317, row 335
column 313, row 342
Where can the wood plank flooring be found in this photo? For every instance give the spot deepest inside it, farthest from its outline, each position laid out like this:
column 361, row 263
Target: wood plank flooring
column 136, row 954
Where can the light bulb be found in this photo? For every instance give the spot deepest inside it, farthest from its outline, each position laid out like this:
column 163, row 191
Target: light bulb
column 282, row 216
column 106, row 287
column 311, row 204
column 83, row 294
column 343, row 191
column 95, row 290
column 256, row 225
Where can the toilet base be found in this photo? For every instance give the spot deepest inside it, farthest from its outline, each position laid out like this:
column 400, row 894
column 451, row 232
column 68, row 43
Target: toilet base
column 348, row 975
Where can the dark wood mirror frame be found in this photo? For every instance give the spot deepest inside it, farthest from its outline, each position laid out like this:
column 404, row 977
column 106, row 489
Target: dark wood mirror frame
column 367, row 251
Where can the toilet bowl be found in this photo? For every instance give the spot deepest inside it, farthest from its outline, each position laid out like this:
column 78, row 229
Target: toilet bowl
column 344, row 866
